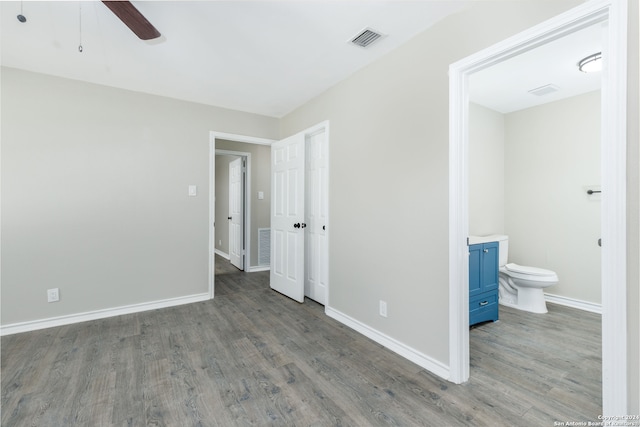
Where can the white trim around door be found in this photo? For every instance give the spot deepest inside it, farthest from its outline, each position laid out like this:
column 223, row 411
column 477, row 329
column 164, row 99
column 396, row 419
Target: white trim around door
column 614, row 144
column 213, row 135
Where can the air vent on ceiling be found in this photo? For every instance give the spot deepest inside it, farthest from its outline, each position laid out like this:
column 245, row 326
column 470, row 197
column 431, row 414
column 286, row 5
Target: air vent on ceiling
column 544, row 90
column 366, row 37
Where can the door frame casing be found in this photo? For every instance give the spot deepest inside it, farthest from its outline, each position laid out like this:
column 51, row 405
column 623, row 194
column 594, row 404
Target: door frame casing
column 213, row 135
column 614, row 120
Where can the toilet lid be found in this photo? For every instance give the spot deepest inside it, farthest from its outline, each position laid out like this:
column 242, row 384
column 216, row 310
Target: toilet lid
column 534, row 271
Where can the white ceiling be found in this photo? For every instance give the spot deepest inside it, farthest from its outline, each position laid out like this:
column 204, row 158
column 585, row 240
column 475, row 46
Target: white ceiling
column 266, row 57
column 505, row 87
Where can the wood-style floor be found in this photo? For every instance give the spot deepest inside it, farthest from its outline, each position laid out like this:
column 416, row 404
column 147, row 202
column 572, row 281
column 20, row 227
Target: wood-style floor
column 224, row 266
column 254, row 357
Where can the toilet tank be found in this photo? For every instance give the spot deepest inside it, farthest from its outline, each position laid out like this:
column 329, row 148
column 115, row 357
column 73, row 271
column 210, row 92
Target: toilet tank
column 503, row 249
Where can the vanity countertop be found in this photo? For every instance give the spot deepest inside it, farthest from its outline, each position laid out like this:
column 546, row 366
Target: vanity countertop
column 474, row 240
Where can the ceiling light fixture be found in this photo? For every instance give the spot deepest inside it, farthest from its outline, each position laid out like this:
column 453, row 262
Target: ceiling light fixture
column 591, row 63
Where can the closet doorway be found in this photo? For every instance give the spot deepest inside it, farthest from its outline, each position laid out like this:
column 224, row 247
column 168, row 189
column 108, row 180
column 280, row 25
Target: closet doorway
column 300, row 215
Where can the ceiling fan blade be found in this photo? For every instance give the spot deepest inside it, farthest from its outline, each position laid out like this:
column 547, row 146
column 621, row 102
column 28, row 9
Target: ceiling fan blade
column 133, row 19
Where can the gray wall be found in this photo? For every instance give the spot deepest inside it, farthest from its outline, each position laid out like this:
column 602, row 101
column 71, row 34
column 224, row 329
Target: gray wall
column 527, row 173
column 486, row 171
column 222, row 202
column 260, row 181
column 94, row 194
column 389, row 235
column 552, row 154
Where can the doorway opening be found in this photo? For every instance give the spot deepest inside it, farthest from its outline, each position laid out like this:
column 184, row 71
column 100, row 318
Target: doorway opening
column 252, row 150
column 613, row 225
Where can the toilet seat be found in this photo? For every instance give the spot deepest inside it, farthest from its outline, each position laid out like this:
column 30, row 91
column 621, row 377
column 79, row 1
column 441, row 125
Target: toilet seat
column 530, row 273
column 534, row 271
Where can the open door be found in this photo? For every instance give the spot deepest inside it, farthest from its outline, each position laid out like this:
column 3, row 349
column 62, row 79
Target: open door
column 287, row 216
column 317, row 213
column 236, row 213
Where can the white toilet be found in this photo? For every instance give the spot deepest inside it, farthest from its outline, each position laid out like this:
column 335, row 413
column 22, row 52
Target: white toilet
column 522, row 287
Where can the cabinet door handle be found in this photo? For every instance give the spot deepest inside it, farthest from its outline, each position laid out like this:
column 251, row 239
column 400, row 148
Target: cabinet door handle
column 483, row 303
column 486, row 251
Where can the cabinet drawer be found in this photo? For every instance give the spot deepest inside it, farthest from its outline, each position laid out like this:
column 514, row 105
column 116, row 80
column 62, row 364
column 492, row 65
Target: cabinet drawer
column 483, row 307
column 480, row 301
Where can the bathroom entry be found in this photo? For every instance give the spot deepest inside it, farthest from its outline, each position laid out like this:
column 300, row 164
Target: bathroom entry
column 614, row 173
column 534, row 164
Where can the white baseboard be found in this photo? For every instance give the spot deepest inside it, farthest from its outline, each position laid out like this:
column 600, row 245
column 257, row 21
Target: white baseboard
column 34, row 325
column 403, row 350
column 574, row 303
column 222, row 254
column 248, row 269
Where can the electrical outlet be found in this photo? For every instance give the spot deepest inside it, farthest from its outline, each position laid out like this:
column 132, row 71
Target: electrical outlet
column 53, row 295
column 383, row 308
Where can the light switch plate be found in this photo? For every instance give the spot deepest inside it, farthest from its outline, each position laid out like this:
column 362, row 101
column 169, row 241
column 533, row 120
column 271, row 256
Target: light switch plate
column 193, row 190
column 260, row 195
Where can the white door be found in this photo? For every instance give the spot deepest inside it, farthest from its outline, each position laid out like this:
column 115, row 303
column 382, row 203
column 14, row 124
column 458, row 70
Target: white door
column 316, row 268
column 287, row 216
column 236, row 214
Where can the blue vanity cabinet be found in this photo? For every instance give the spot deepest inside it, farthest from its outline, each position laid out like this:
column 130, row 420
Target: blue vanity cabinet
column 483, row 282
